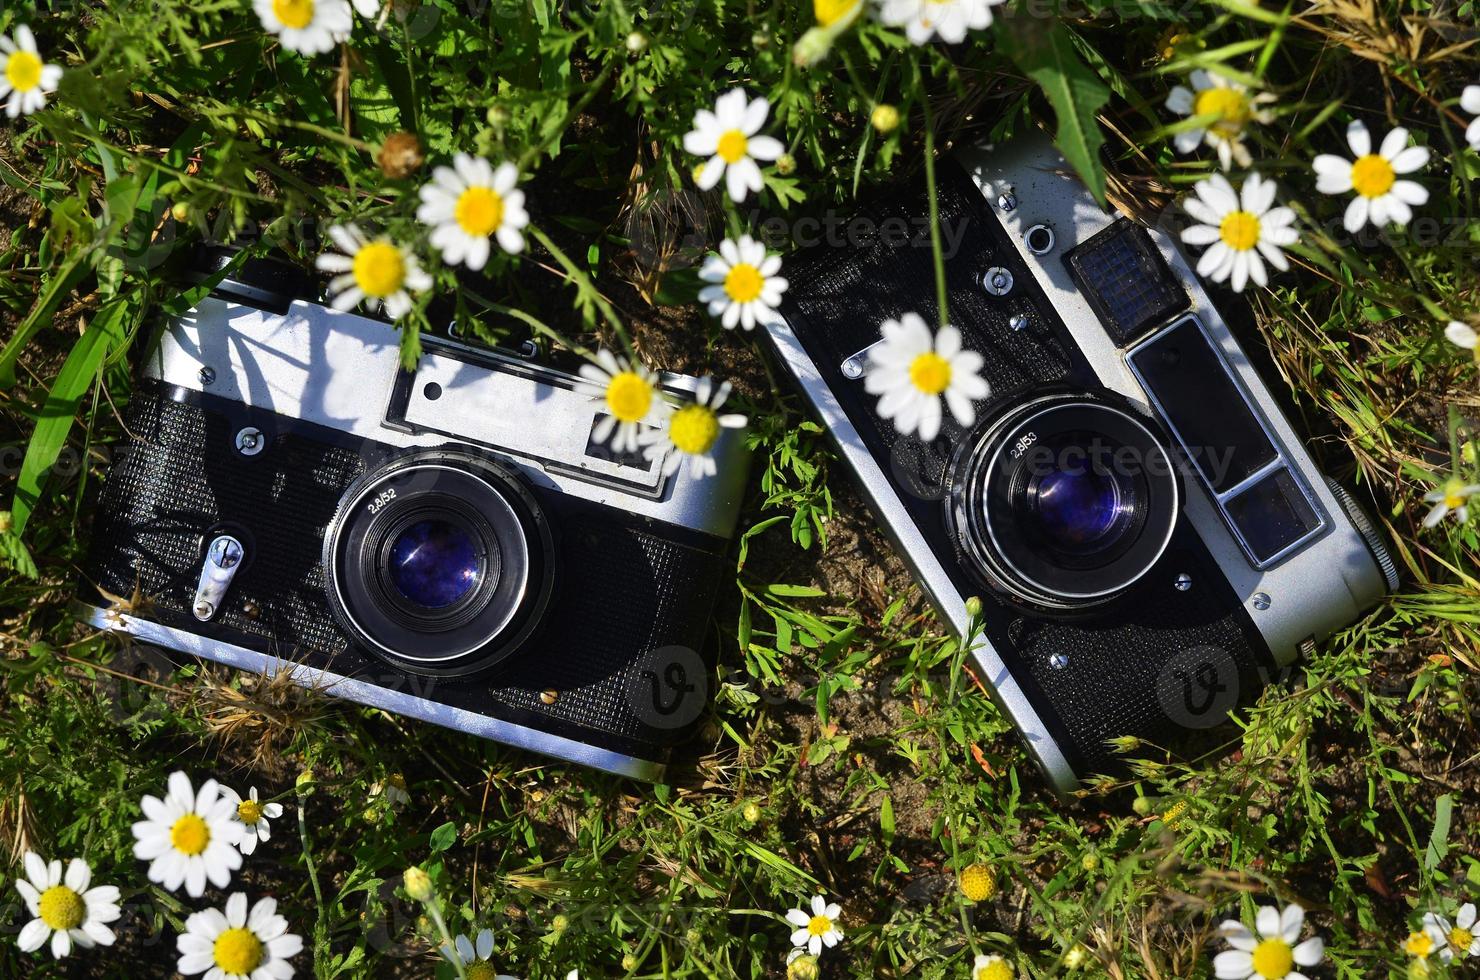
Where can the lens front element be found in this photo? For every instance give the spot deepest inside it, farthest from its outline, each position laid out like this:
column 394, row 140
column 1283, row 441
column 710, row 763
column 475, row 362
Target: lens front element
column 434, row 563
column 1075, row 509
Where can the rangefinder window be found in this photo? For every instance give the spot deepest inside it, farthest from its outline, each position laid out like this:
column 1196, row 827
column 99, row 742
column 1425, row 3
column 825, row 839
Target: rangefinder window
column 1126, row 281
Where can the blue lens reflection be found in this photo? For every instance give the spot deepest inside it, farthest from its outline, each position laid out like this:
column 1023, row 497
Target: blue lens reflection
column 433, row 563
column 1075, row 509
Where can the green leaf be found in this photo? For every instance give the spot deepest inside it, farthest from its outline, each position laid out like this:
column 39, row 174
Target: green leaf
column 1439, row 838
column 1044, row 50
column 60, row 409
column 57, row 288
column 444, row 837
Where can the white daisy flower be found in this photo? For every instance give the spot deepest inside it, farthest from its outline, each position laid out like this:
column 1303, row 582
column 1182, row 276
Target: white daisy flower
column 818, row 929
column 473, row 957
column 189, row 837
column 27, row 79
column 1242, row 228
column 1462, row 334
column 237, row 944
column 368, row 9
column 67, row 911
column 1381, row 196
column 306, row 26
column 745, row 285
column 1231, row 108
column 991, row 967
column 379, row 271
column 469, row 202
column 1269, row 952
column 1469, row 101
column 253, row 816
column 691, row 430
column 728, row 137
column 1420, row 944
column 630, row 393
column 1457, row 938
column 1453, row 497
column 948, row 20
column 913, row 371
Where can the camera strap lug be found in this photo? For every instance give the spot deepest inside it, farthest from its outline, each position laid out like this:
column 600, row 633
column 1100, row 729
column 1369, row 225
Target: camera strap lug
column 223, row 558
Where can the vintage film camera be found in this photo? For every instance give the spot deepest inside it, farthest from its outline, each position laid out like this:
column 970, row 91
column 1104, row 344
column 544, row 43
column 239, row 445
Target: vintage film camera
column 447, row 543
column 1148, row 535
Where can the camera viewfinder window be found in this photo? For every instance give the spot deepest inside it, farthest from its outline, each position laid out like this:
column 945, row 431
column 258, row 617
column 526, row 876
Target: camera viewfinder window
column 1272, row 515
column 1126, row 281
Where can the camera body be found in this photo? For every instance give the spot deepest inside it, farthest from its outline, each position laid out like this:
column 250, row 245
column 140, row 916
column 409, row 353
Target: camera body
column 447, row 543
column 1148, row 536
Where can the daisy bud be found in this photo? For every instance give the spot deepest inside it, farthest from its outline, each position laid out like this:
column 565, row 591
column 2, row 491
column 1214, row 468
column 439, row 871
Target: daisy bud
column 629, row 962
column 304, row 783
column 180, row 211
column 400, row 155
column 418, row 884
column 978, row 883
column 973, row 606
column 559, row 924
column 751, row 813
column 884, row 118
column 803, row 968
column 786, row 164
column 497, row 116
column 812, row 47
column 1090, row 862
column 637, row 42
column 1076, row 957
column 1141, row 805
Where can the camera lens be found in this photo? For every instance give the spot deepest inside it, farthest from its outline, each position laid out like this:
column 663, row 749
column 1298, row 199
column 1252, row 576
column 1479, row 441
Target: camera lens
column 1062, row 502
column 1075, row 509
column 434, row 563
column 440, row 561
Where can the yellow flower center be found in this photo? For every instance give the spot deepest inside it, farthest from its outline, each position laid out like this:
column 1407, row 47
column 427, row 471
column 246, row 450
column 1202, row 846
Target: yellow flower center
column 819, row 925
column 397, row 781
column 1461, row 939
column 1419, row 944
column 995, row 970
column 482, row 970
column 732, row 146
column 238, row 951
column 1273, row 959
column 978, row 883
column 693, row 429
column 1373, row 176
column 379, row 269
column 61, row 908
column 1229, row 105
column 190, row 835
column 629, row 396
column 249, row 811
column 1454, row 496
column 479, row 211
column 829, row 12
column 296, row 14
column 743, row 283
column 931, row 373
column 1239, row 230
column 23, row 71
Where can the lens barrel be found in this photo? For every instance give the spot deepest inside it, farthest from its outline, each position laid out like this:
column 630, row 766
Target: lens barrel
column 440, row 561
column 1063, row 502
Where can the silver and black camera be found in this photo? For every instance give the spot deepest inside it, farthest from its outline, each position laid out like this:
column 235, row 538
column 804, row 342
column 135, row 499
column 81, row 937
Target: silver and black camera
column 448, row 543
column 1148, row 536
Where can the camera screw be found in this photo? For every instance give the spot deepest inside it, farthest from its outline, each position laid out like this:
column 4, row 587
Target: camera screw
column 249, row 441
column 997, row 281
column 549, row 696
column 853, row 369
column 1007, row 201
column 1018, row 322
column 207, row 375
column 1261, row 601
column 1184, row 582
column 1058, row 661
